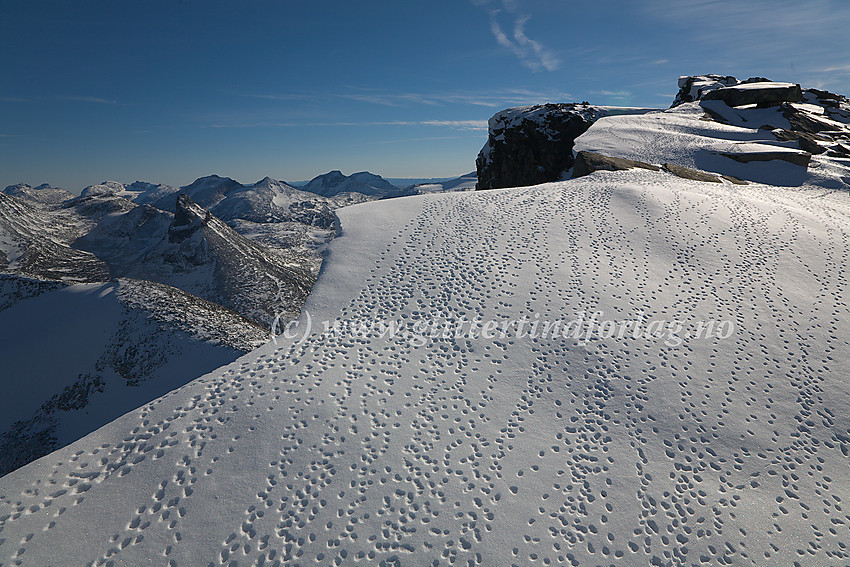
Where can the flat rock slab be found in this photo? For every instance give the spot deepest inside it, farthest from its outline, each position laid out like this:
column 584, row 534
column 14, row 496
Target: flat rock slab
column 797, row 158
column 808, row 142
column 764, row 94
column 688, row 173
column 734, row 180
column 588, row 162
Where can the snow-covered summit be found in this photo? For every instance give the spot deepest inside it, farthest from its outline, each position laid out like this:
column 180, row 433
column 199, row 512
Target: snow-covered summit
column 804, row 140
column 756, row 130
column 335, row 183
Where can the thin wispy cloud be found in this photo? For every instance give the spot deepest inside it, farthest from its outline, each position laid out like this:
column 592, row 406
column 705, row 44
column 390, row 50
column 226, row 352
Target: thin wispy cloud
column 428, row 139
column 459, row 124
column 530, row 52
column 454, row 124
column 812, row 34
column 612, row 93
column 92, row 99
column 490, row 99
column 835, row 69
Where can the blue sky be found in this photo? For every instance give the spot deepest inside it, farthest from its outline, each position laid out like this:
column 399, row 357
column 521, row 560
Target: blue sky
column 167, row 91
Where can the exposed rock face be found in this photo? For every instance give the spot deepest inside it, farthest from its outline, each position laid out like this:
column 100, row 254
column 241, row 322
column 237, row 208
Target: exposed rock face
column 588, row 162
column 808, row 142
column 532, row 144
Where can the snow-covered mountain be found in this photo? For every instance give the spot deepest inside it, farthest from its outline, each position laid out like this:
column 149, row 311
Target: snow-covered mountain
column 142, row 335
column 195, row 251
column 687, row 408
column 267, row 201
column 335, row 182
column 43, row 193
column 35, row 240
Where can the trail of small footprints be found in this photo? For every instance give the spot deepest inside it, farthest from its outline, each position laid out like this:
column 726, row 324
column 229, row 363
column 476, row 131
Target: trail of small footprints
column 515, row 450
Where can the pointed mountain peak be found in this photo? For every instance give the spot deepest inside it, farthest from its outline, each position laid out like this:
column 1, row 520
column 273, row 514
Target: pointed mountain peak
column 188, row 216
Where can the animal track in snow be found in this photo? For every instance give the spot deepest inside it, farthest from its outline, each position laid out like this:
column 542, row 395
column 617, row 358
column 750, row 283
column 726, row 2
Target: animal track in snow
column 516, row 450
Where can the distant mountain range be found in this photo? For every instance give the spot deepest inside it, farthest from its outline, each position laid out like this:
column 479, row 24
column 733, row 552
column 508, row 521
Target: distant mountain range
column 131, row 290
column 125, row 292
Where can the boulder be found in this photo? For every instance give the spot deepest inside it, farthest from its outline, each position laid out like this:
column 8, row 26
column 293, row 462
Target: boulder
column 840, row 149
column 759, row 93
column 532, row 144
column 588, row 162
column 693, row 88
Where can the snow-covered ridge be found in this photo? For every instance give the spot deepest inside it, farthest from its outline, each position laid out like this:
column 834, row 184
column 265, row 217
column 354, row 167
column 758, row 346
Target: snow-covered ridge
column 522, row 449
column 509, row 451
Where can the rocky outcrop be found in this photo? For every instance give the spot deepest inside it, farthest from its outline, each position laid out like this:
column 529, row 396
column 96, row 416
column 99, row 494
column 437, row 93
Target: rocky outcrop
column 696, row 87
column 532, row 144
column 806, row 141
column 760, row 93
column 588, row 162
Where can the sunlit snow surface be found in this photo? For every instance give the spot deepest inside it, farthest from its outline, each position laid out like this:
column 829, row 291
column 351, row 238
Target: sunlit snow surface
column 505, row 451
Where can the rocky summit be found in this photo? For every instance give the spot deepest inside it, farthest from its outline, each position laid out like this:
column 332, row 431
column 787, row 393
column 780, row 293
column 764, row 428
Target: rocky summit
column 762, row 121
column 532, row 144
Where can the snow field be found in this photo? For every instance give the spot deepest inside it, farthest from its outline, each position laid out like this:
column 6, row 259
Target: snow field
column 358, row 450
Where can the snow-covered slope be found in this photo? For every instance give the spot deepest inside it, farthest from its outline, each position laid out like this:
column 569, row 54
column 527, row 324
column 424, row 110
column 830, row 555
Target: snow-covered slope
column 43, row 193
column 143, row 193
column 514, row 450
column 82, row 355
column 35, row 240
